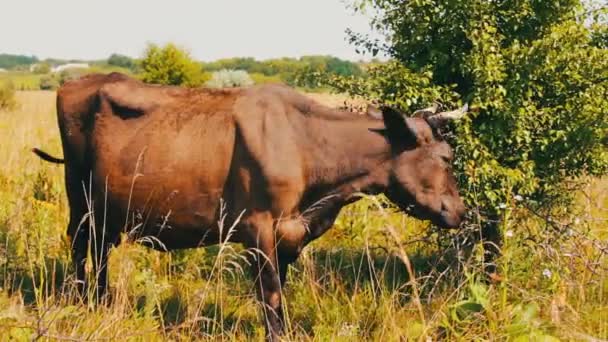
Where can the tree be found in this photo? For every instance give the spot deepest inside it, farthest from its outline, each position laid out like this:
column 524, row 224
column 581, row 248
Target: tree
column 170, row 65
column 536, row 73
column 8, row 61
column 121, row 61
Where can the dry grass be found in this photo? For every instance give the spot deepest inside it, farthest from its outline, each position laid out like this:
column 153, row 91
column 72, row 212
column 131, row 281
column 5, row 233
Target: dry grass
column 352, row 284
column 339, row 101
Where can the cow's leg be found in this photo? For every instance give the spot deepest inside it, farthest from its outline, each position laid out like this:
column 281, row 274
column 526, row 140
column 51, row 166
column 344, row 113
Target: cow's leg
column 266, row 275
column 283, row 266
column 286, row 259
column 78, row 227
column 79, row 235
column 290, row 238
column 103, row 238
column 100, row 267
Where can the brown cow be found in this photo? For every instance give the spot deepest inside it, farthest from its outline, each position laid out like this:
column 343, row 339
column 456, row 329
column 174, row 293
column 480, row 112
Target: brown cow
column 166, row 162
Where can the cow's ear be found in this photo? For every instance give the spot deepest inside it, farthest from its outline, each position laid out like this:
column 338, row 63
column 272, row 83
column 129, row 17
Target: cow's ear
column 400, row 134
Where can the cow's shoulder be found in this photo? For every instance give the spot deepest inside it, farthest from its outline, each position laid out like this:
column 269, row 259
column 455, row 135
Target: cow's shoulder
column 262, row 119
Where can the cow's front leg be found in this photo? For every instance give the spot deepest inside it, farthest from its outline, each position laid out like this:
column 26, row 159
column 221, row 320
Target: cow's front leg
column 265, row 272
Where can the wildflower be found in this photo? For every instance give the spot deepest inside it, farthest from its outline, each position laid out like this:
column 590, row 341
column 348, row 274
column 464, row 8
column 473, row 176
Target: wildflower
column 518, row 198
column 577, row 220
column 547, row 273
column 502, row 206
column 509, row 233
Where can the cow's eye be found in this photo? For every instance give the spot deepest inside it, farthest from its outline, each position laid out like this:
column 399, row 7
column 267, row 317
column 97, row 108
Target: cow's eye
column 446, row 159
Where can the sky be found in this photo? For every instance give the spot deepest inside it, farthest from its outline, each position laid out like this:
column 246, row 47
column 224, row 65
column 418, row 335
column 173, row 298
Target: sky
column 84, row 29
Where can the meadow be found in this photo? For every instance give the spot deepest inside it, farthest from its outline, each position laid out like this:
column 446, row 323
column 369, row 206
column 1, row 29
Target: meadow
column 377, row 275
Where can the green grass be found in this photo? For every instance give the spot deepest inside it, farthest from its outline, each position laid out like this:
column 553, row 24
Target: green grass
column 22, row 80
column 352, row 284
column 25, row 80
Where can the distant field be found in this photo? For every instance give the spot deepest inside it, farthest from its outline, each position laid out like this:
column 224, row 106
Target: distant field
column 22, row 80
column 25, row 80
column 350, row 285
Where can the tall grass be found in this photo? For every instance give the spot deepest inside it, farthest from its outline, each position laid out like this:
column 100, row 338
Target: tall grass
column 377, row 275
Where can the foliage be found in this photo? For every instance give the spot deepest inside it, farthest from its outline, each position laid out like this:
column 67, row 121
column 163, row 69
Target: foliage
column 121, row 61
column 7, row 95
column 229, row 79
column 258, row 78
column 532, row 72
column 8, row 61
column 49, row 82
column 290, row 70
column 42, row 68
column 71, row 74
column 170, row 65
column 348, row 285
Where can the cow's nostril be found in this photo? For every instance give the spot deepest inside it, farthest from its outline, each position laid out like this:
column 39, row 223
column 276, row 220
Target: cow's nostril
column 444, row 207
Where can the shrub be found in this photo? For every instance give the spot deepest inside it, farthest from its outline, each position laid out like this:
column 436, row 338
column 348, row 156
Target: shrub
column 229, row 78
column 71, row 74
column 41, row 68
column 121, row 61
column 170, row 65
column 535, row 72
column 7, row 95
column 49, row 82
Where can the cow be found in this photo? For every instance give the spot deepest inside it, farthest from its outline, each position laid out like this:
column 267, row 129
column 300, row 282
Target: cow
column 167, row 163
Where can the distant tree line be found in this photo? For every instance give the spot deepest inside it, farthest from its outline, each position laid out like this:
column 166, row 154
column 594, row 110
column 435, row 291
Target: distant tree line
column 170, row 64
column 286, row 65
column 8, row 61
column 294, row 71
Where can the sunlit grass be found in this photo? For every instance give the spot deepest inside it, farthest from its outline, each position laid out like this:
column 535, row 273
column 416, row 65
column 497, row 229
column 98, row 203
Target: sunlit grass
column 352, row 284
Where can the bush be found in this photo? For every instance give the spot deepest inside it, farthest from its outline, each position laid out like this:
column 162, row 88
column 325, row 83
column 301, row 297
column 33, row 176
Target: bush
column 122, row 61
column 170, row 65
column 41, row 68
column 71, row 74
column 7, row 95
column 536, row 74
column 49, row 82
column 229, row 78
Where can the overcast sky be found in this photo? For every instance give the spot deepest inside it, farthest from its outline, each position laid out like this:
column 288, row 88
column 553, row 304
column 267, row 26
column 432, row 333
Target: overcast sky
column 210, row 30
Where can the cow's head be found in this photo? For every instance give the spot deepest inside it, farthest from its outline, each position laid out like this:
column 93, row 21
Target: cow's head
column 421, row 181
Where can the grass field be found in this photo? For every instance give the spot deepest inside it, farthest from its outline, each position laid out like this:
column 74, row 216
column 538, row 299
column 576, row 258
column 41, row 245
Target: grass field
column 352, row 284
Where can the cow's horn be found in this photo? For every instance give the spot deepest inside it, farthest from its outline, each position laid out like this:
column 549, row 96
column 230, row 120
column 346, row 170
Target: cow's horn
column 442, row 118
column 426, row 112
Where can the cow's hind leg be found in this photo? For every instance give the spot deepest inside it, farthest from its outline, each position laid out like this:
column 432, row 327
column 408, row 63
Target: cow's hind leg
column 78, row 227
column 79, row 235
column 102, row 239
column 100, row 253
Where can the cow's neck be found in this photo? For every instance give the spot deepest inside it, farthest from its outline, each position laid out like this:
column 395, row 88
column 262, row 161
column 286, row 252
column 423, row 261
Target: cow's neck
column 348, row 157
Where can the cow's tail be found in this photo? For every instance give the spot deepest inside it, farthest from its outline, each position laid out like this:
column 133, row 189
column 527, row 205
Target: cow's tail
column 47, row 157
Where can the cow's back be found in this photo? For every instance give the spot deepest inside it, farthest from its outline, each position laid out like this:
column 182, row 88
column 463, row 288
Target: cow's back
column 168, row 166
column 158, row 155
